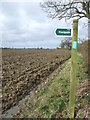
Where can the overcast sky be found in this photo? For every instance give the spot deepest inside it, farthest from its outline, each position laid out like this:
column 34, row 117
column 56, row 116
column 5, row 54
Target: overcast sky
column 25, row 25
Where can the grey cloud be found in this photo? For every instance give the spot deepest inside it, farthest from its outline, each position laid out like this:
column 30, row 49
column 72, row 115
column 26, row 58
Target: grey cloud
column 25, row 25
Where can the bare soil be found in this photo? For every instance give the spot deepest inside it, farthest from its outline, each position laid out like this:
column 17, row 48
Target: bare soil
column 24, row 69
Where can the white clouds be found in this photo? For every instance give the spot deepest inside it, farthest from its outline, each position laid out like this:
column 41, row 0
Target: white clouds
column 2, row 18
column 26, row 25
column 28, row 1
column 22, row 13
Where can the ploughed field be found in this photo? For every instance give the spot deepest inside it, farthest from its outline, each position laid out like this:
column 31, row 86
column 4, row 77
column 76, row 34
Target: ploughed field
column 24, row 69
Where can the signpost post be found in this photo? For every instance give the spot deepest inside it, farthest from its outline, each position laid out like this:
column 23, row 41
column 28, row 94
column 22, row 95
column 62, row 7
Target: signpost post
column 62, row 32
column 73, row 68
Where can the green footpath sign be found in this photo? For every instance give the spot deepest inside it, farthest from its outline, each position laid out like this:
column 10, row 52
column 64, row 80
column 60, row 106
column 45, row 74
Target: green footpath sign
column 63, row 32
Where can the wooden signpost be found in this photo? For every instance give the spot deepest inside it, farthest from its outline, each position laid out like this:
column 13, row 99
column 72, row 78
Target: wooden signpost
column 67, row 33
column 73, row 67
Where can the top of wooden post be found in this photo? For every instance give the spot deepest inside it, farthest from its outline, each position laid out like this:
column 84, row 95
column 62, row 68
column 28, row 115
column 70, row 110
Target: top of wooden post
column 75, row 20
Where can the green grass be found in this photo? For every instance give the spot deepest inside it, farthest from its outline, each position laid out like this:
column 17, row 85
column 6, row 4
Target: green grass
column 53, row 101
column 81, row 75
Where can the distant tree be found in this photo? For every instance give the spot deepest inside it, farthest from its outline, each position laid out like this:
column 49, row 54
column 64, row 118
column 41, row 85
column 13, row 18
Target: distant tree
column 57, row 48
column 66, row 9
column 66, row 43
column 41, row 48
column 81, row 40
column 62, row 44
